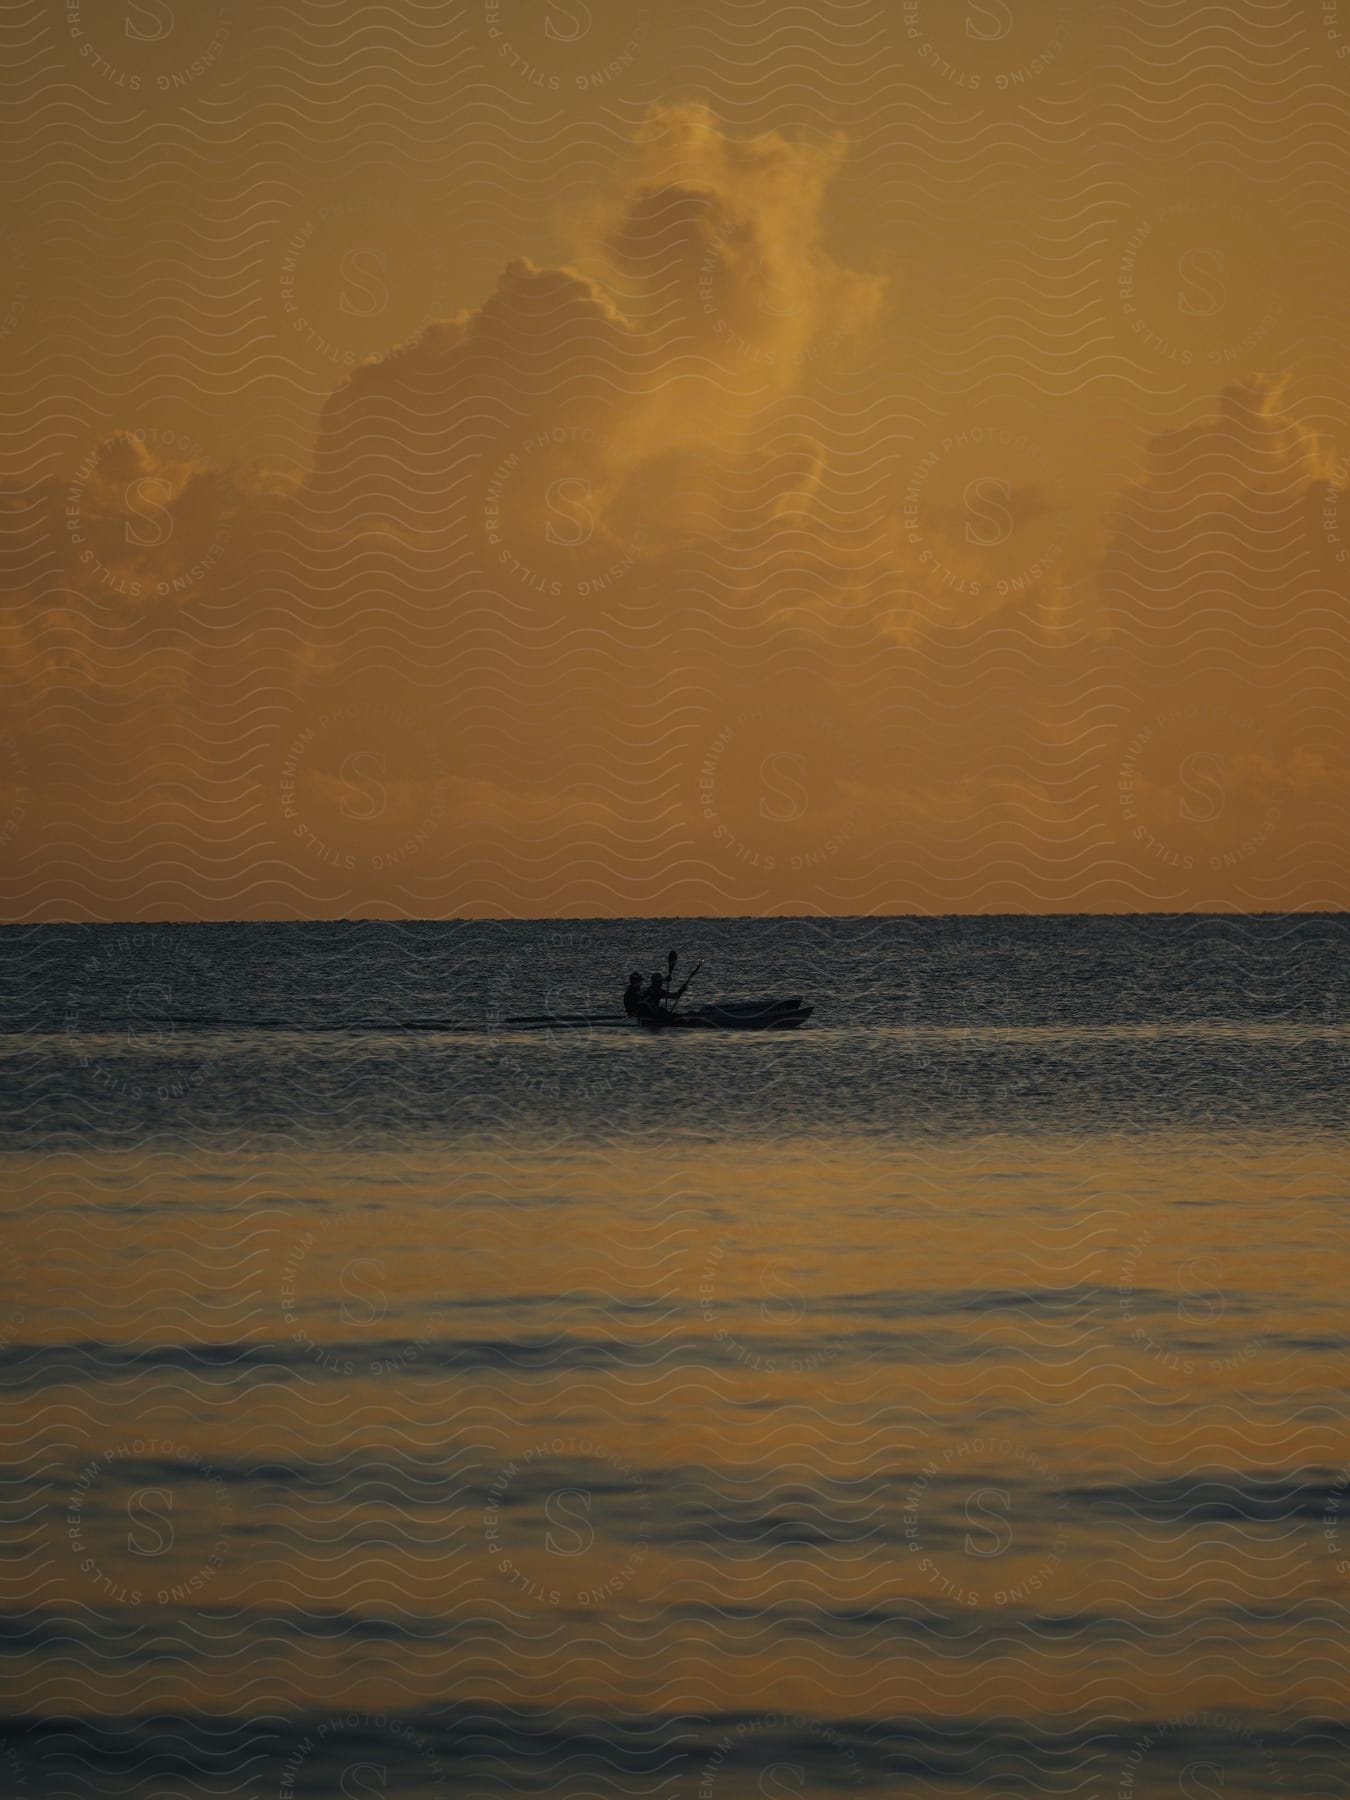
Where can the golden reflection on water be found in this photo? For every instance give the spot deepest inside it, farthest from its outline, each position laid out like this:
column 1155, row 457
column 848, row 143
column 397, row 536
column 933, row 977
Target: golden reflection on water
column 836, row 1431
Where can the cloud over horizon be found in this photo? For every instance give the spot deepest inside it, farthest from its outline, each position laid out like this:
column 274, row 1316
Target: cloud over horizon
column 596, row 598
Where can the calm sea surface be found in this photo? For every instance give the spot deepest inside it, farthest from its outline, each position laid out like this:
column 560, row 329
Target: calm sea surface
column 949, row 1398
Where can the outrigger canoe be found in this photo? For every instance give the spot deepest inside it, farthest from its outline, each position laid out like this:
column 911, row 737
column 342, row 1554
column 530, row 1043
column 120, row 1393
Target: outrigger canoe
column 713, row 1015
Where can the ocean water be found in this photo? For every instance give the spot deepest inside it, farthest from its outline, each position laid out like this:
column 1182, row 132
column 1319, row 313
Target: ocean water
column 947, row 1398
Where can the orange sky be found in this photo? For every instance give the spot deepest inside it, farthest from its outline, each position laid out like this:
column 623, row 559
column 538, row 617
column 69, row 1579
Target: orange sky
column 628, row 460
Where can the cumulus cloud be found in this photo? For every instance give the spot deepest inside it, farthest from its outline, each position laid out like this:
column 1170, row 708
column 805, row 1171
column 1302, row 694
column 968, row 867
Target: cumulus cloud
column 603, row 404
column 1228, row 593
column 584, row 579
column 401, row 621
column 716, row 245
column 1251, row 445
column 1228, row 542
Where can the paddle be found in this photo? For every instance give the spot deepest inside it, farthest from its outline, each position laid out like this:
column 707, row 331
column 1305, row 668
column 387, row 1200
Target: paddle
column 694, row 971
column 671, row 961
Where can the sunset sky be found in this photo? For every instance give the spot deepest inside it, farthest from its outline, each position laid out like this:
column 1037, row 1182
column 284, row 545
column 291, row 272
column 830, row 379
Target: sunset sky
column 562, row 459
